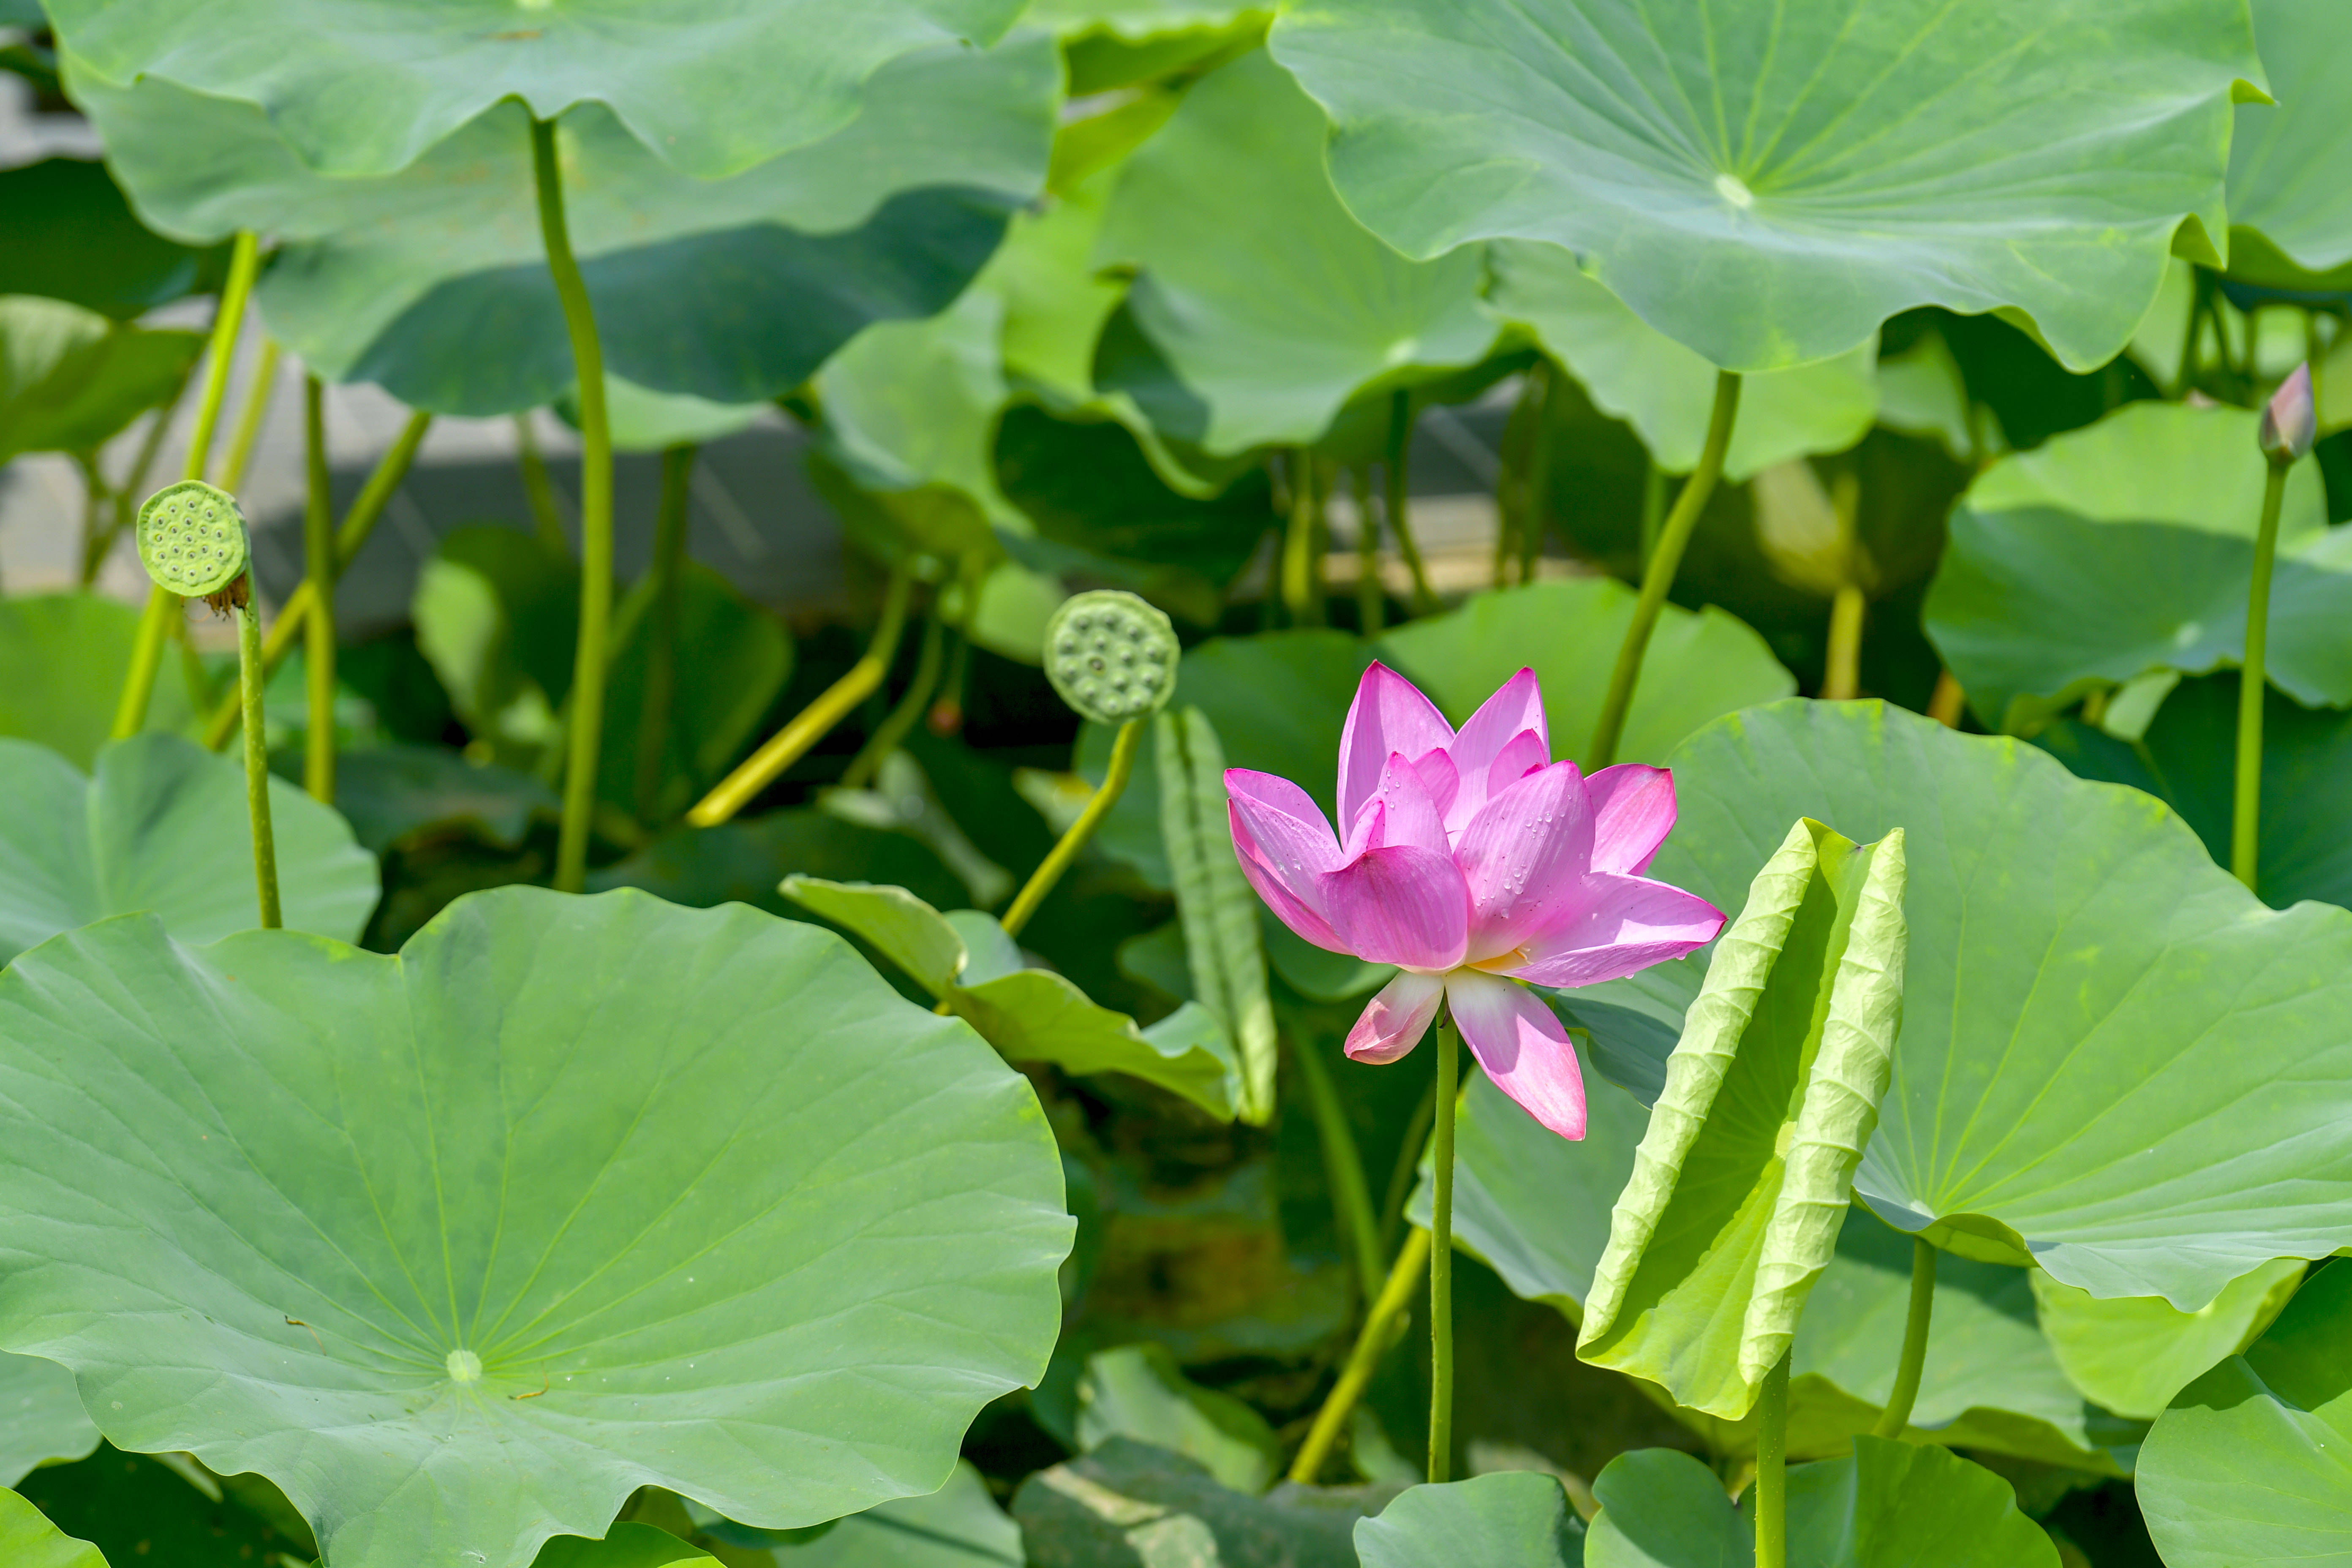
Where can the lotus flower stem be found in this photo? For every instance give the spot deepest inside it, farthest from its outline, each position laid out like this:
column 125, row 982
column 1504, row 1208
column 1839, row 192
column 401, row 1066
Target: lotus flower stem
column 1382, row 1326
column 1658, row 572
column 1370, row 599
column 1842, row 670
column 318, row 575
column 147, row 651
column 661, row 663
column 2245, row 823
column 1653, row 506
column 1400, row 500
column 257, row 395
column 1535, row 486
column 250, row 681
column 584, row 733
column 900, row 720
column 1898, row 1414
column 1057, row 859
column 539, row 488
column 814, row 722
column 1772, row 1468
column 358, row 523
column 1440, row 1253
column 1343, row 1168
column 2201, row 295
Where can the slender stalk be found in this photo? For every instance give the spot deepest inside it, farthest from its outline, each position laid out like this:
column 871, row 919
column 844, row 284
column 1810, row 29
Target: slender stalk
column 1534, row 489
column 319, row 574
column 585, row 729
column 1408, row 1160
column 1658, row 574
column 2245, row 827
column 2200, row 291
column 1400, row 500
column 1299, row 600
column 1841, row 672
column 1945, row 703
column 96, row 537
column 1441, row 1254
column 1898, row 1414
column 1372, row 607
column 163, row 605
column 896, row 725
column 257, row 394
column 1653, row 507
column 661, row 659
column 134, row 483
column 1772, row 1468
column 249, row 681
column 539, row 488
column 1343, row 1168
column 358, row 522
column 811, row 723
column 1057, row 859
column 1382, row 1326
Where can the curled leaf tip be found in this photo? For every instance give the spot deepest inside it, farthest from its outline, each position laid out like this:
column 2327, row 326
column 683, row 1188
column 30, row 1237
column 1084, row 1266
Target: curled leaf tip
column 193, row 539
column 2291, row 418
column 1111, row 656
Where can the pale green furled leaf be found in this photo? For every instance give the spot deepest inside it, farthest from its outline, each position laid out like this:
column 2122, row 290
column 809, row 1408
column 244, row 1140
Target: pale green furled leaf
column 70, row 380
column 419, row 1297
column 709, row 87
column 41, row 1418
column 2251, row 1465
column 623, row 1546
column 1218, row 911
column 433, row 280
column 2290, row 208
column 1128, row 1505
column 1743, row 1178
column 1698, row 666
column 1766, row 184
column 1268, row 305
column 958, row 1526
column 30, row 1541
column 63, row 659
column 1138, row 1392
column 1515, row 1517
column 1886, row 1505
column 2115, row 1062
column 1664, row 391
column 164, row 825
column 2133, row 1354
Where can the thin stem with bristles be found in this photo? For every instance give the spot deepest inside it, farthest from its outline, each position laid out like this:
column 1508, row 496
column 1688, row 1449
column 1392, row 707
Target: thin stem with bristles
column 318, row 575
column 900, row 720
column 1914, row 1359
column 1057, row 859
column 257, row 757
column 2245, row 823
column 1772, row 1468
column 1441, row 1251
column 1380, row 1327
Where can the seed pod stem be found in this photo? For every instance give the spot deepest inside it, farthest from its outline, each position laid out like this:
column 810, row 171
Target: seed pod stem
column 250, row 679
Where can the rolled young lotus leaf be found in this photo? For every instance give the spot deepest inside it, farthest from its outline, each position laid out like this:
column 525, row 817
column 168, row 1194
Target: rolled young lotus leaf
column 1223, row 949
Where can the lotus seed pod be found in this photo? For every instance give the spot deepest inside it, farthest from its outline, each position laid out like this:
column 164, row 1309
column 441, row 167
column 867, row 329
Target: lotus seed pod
column 1112, row 655
column 192, row 539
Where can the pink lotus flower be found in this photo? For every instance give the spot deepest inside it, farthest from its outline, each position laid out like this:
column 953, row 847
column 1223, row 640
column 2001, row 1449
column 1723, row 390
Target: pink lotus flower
column 1471, row 861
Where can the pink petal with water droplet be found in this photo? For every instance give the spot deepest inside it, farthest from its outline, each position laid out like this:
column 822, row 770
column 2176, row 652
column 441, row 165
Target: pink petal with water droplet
column 1521, row 1047
column 1405, row 906
column 1394, row 1021
column 1515, row 708
column 1389, row 715
column 1284, row 846
column 1626, row 925
column 1402, row 813
column 1633, row 811
column 1523, row 856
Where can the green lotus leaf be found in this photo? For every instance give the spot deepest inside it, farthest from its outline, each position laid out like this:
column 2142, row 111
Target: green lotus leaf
column 2115, row 1062
column 708, row 89
column 81, row 244
column 2290, row 216
column 63, row 657
column 41, row 1418
column 1664, row 391
column 1271, row 305
column 27, row 1540
column 623, row 1546
column 395, row 794
column 1885, row 1503
column 958, row 1526
column 966, row 962
column 2132, row 1355
column 70, row 380
column 162, row 826
column 167, row 1508
column 433, row 281
column 1514, row 1517
column 497, row 613
column 1743, row 1177
column 742, row 862
column 517, row 1207
column 2251, row 1465
column 1130, row 1505
column 1767, row 187
column 909, row 403
column 1138, row 1392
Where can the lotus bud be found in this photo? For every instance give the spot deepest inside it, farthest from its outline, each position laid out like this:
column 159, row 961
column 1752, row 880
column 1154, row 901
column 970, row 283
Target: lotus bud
column 2290, row 421
column 193, row 541
column 1111, row 656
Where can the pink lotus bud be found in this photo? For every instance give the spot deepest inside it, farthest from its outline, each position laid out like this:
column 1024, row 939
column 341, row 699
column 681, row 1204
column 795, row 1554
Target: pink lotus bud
column 2290, row 422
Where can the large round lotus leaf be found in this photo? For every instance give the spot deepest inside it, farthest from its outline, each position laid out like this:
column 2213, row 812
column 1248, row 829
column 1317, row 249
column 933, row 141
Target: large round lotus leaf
column 2290, row 208
column 27, row 1540
column 79, row 242
column 63, row 657
column 41, row 1418
column 2252, row 1466
column 433, row 280
column 163, row 827
column 1270, row 305
column 1517, row 1517
column 2115, row 1062
column 710, row 87
column 1768, row 184
column 1664, row 391
column 572, row 1195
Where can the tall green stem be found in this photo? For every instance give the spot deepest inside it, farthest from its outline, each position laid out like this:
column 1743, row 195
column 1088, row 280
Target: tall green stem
column 1300, row 601
column 896, row 725
column 1057, row 860
column 1534, row 489
column 155, row 624
column 2245, row 827
column 257, row 394
column 1653, row 507
column 661, row 663
column 1380, row 1327
column 1371, row 598
column 1400, row 500
column 1658, row 575
column 249, row 681
column 1343, row 1167
column 539, row 488
column 1772, row 1468
column 586, row 731
column 1898, row 1414
column 318, row 575
column 1440, row 1253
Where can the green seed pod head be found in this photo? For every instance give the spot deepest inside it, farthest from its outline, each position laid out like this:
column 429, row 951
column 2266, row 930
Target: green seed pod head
column 192, row 539
column 1112, row 655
